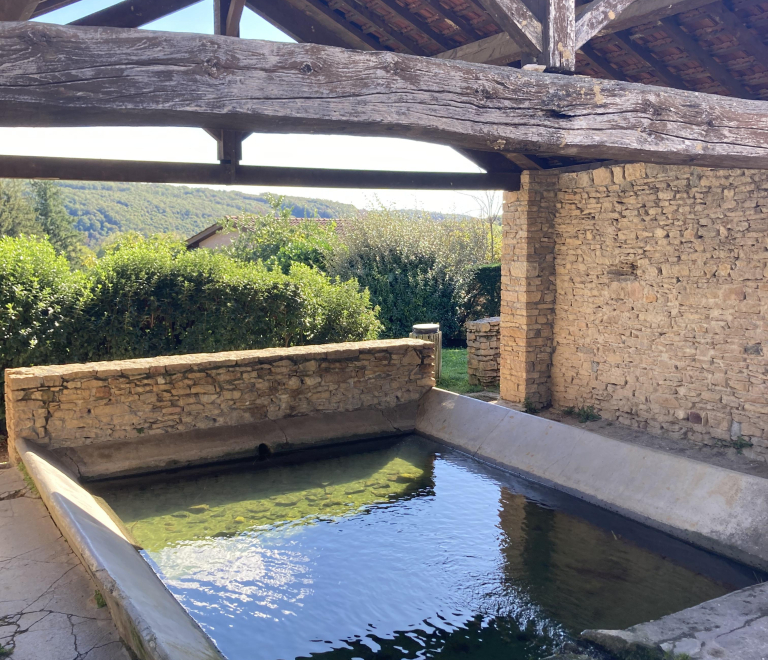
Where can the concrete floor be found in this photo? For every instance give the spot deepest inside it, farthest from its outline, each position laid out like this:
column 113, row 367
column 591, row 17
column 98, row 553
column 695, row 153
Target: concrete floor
column 48, row 609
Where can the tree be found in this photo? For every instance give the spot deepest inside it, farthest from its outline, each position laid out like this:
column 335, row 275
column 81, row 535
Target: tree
column 16, row 214
column 55, row 222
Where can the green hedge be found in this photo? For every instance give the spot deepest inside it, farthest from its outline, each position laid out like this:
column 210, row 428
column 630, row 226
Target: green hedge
column 485, row 292
column 151, row 297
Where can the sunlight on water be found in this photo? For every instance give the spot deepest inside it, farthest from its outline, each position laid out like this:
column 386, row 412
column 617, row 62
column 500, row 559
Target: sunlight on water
column 413, row 551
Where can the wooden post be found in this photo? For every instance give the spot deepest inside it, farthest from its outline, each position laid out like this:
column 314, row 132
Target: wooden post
column 560, row 36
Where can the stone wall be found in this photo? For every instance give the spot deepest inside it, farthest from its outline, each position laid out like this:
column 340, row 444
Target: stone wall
column 103, row 402
column 483, row 351
column 660, row 289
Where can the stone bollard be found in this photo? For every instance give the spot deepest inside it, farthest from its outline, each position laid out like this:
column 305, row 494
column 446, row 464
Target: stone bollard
column 431, row 332
column 484, row 351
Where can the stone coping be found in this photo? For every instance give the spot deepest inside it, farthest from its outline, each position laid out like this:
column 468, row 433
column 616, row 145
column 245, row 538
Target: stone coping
column 51, row 376
column 710, row 506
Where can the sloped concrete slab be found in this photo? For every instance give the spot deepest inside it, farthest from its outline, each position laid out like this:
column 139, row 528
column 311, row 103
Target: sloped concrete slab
column 714, row 507
column 732, row 627
column 147, row 616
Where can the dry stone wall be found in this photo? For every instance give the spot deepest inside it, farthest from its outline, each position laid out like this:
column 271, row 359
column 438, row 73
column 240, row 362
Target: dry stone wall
column 661, row 298
column 483, row 351
column 82, row 404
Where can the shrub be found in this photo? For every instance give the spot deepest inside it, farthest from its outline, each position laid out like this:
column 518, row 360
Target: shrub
column 417, row 270
column 485, row 291
column 274, row 240
column 149, row 297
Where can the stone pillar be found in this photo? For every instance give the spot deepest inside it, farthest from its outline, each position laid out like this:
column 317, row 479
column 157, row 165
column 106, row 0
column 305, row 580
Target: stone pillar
column 483, row 349
column 528, row 289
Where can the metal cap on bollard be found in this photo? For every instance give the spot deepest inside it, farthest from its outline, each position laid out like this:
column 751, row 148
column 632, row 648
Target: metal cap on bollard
column 431, row 332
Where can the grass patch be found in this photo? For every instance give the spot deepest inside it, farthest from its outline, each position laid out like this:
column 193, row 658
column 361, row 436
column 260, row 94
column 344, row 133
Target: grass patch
column 5, row 651
column 585, row 413
column 100, row 602
column 28, row 480
column 454, row 377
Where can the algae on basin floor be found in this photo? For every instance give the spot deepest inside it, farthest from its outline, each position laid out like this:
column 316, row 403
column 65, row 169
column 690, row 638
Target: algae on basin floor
column 161, row 514
column 409, row 551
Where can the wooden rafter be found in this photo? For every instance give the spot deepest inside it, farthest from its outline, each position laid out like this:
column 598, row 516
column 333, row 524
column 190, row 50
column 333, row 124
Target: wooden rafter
column 405, row 43
column 597, row 17
column 340, row 22
column 453, row 17
column 306, row 27
column 83, row 169
column 606, row 68
column 417, row 22
column 740, row 31
column 47, row 6
column 17, row 10
column 73, row 76
column 133, row 13
column 645, row 55
column 518, row 22
column 692, row 47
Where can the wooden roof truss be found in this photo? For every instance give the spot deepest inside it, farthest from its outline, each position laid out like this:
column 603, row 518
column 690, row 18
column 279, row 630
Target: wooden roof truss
column 711, row 49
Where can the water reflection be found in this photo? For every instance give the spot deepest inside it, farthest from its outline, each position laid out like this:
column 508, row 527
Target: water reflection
column 412, row 551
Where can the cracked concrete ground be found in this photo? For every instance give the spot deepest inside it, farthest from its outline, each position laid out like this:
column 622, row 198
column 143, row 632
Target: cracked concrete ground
column 48, row 609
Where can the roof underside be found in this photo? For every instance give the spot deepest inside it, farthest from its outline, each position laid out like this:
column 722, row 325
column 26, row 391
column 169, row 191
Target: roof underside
column 717, row 48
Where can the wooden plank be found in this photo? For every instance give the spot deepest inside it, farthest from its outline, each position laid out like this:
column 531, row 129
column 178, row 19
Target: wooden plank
column 518, row 22
column 305, row 26
column 133, row 13
column 55, row 75
column 657, row 67
column 560, row 36
column 82, row 169
column 718, row 71
column 501, row 49
column 17, row 10
column 597, row 17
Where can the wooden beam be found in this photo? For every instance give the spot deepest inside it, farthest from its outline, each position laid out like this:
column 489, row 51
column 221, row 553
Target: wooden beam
column 452, row 17
column 47, row 6
column 607, row 69
column 501, row 48
column 518, row 22
column 56, row 75
column 234, row 14
column 597, row 17
column 403, row 42
column 560, row 36
column 17, row 10
column 718, row 71
column 736, row 28
column 133, row 13
column 657, row 67
column 305, row 26
column 417, row 23
column 490, row 161
column 82, row 169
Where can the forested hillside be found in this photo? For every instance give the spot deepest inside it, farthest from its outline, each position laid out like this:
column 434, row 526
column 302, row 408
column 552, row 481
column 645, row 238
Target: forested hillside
column 103, row 209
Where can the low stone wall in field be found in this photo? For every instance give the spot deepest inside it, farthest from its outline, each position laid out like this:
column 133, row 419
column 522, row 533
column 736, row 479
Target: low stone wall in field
column 483, row 351
column 130, row 401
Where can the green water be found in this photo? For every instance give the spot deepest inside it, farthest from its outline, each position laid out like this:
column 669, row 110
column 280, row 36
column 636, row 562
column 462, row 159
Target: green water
column 410, row 551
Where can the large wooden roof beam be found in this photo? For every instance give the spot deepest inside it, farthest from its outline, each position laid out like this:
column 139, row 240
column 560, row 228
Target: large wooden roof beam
column 53, row 75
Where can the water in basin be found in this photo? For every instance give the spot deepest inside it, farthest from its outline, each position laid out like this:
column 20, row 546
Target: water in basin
column 412, row 550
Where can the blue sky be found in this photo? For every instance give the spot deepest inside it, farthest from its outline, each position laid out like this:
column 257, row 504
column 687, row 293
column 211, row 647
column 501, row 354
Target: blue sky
column 194, row 145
